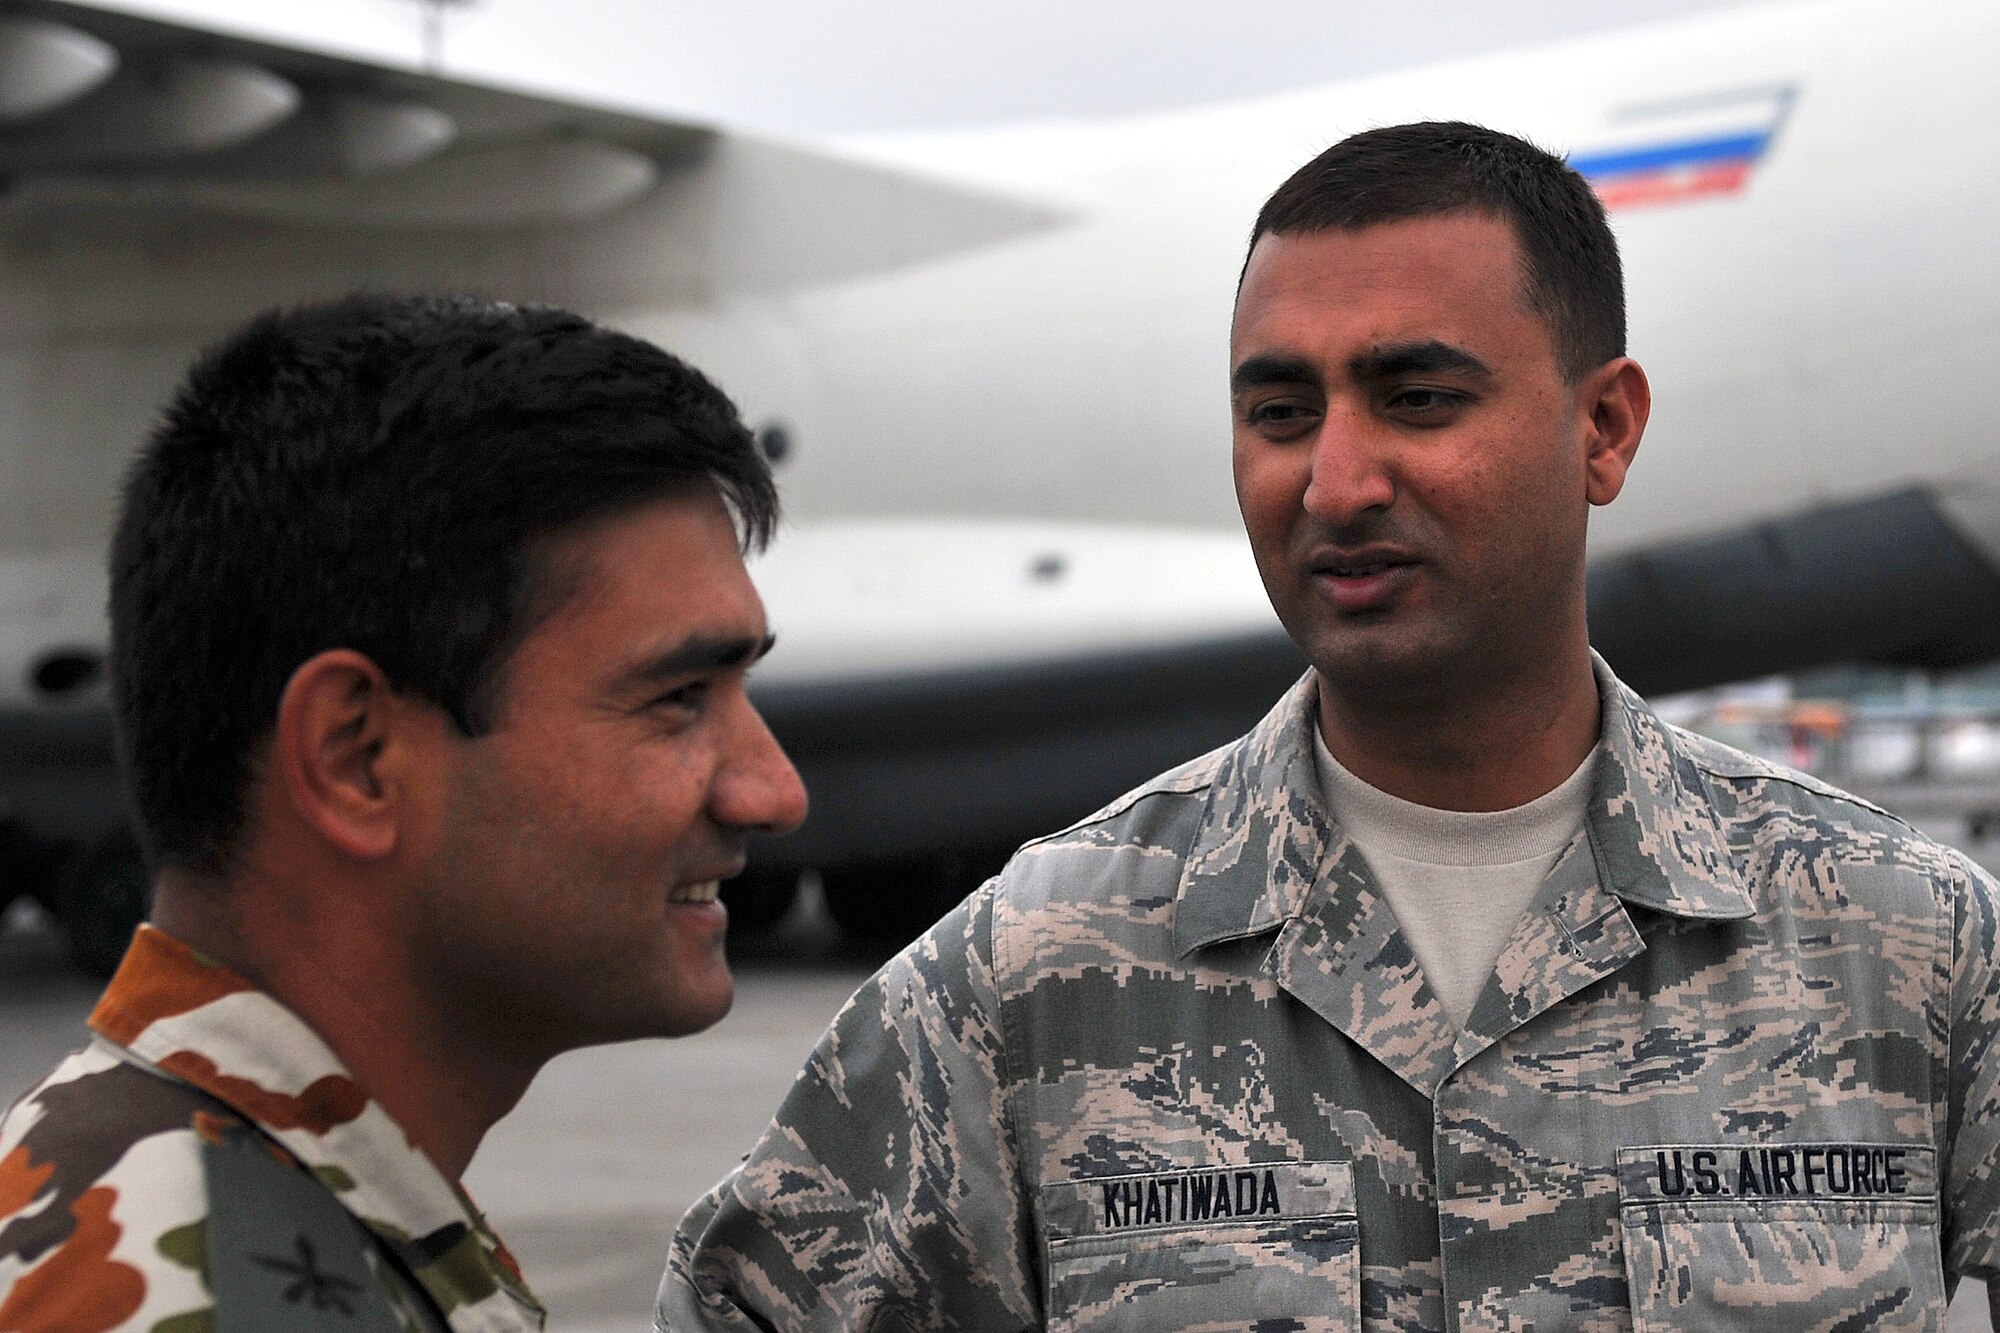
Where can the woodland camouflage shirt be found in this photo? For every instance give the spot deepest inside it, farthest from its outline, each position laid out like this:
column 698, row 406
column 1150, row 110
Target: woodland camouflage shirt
column 198, row 1111
column 1177, row 1068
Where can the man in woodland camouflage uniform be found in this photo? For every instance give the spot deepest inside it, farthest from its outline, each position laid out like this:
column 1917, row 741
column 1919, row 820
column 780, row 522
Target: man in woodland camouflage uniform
column 429, row 630
column 1462, row 993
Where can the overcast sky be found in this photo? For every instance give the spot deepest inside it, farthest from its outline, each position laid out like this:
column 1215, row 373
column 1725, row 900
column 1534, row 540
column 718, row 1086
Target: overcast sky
column 810, row 66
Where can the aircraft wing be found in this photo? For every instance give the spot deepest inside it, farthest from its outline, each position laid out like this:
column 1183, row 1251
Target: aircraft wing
column 130, row 132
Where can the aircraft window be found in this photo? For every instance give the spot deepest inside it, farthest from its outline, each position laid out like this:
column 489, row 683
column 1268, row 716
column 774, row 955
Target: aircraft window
column 67, row 670
column 775, row 441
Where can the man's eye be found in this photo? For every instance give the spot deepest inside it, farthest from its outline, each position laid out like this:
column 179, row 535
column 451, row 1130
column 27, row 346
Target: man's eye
column 1418, row 401
column 690, row 696
column 1281, row 416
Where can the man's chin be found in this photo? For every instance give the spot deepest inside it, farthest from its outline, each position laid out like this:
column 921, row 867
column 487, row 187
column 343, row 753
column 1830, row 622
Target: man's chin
column 695, row 1000
column 1373, row 657
column 689, row 1019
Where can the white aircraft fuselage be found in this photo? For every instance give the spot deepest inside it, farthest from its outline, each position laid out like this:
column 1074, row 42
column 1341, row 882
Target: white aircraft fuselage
column 1817, row 334
column 999, row 357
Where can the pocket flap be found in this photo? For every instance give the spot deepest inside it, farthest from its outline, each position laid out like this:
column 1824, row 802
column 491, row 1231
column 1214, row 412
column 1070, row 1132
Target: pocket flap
column 1734, row 1238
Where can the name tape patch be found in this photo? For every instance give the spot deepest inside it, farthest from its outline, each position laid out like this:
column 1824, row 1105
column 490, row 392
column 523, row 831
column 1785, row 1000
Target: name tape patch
column 1199, row 1195
column 1777, row 1171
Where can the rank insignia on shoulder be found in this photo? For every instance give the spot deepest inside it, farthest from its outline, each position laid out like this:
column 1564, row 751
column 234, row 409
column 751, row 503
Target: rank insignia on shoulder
column 282, row 1252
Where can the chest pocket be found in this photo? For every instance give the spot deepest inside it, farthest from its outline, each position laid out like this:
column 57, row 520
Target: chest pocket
column 1772, row 1238
column 1269, row 1246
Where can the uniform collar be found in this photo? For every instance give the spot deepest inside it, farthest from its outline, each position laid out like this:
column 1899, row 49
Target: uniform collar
column 201, row 1023
column 1653, row 825
column 1266, row 837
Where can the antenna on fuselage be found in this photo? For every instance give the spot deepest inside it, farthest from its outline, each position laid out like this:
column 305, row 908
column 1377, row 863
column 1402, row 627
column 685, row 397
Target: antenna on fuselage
column 430, row 34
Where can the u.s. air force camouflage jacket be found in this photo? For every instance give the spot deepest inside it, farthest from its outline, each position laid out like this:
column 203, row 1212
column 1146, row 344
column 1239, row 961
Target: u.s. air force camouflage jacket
column 208, row 1164
column 1177, row 1068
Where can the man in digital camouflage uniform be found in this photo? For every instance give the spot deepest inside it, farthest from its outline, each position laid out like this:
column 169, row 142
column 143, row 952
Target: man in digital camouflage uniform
column 429, row 629
column 1462, row 993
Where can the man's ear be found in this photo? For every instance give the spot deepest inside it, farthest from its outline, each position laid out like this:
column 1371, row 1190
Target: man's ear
column 1615, row 400
column 341, row 753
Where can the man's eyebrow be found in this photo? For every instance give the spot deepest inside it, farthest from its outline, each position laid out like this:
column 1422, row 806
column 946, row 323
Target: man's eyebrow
column 1271, row 368
column 698, row 653
column 1394, row 360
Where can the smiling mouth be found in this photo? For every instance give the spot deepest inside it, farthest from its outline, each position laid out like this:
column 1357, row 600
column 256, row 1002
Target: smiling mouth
column 704, row 892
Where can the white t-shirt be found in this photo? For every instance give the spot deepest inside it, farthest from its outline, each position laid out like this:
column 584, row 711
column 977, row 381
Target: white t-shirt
column 1458, row 881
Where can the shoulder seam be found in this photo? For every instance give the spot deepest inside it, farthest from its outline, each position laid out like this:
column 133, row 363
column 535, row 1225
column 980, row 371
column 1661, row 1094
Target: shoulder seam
column 1124, row 805
column 1804, row 782
column 1003, row 1021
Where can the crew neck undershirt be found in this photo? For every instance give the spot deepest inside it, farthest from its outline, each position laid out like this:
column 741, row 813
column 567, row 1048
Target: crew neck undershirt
column 1457, row 881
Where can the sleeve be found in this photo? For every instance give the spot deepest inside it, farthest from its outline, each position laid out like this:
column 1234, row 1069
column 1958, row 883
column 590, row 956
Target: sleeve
column 1972, row 1173
column 887, row 1191
column 102, row 1203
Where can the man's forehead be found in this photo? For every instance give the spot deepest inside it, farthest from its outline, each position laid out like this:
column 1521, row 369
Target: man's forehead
column 1404, row 281
column 640, row 581
column 694, row 503
column 1455, row 223
column 592, row 557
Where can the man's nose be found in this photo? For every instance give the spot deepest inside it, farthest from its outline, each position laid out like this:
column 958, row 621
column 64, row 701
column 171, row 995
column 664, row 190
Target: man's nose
column 1350, row 469
column 757, row 789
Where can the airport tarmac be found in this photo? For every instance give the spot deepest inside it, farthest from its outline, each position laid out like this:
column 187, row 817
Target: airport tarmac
column 587, row 1177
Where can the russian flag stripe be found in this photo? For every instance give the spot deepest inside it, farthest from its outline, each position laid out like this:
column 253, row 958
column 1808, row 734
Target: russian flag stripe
column 1664, row 152
column 1662, row 157
column 1665, row 187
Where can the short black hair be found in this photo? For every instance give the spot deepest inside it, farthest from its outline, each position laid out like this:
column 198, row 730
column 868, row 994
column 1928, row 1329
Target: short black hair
column 1573, row 279
column 375, row 473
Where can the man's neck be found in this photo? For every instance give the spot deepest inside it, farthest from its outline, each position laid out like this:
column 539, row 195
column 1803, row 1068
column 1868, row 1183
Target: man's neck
column 353, row 991
column 1490, row 749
